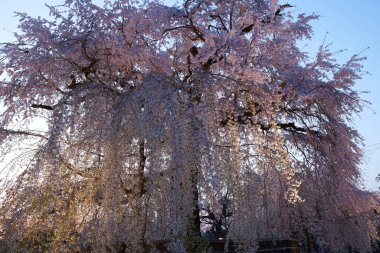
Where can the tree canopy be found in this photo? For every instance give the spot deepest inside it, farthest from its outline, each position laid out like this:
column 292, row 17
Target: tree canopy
column 159, row 118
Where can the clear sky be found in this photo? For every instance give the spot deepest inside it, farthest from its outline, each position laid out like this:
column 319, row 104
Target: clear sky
column 350, row 25
column 354, row 26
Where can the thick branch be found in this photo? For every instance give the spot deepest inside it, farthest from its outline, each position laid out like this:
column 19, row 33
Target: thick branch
column 176, row 28
column 246, row 118
column 41, row 106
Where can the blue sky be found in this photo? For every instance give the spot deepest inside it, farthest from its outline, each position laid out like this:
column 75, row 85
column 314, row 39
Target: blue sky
column 350, row 25
column 354, row 26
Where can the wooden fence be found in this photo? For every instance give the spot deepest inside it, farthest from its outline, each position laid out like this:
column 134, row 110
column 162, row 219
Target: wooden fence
column 264, row 246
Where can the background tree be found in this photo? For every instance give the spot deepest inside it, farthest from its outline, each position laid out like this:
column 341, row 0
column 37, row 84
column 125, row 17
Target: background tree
column 215, row 225
column 153, row 110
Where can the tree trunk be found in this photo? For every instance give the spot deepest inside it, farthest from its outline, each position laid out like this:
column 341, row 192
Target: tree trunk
column 141, row 191
column 195, row 195
column 309, row 242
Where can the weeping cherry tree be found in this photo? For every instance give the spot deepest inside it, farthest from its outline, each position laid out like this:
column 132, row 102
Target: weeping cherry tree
column 153, row 114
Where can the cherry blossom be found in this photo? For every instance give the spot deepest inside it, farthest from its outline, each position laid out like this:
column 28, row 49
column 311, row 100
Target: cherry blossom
column 154, row 113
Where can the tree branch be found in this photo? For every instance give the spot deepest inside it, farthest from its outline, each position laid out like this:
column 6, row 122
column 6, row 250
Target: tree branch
column 41, row 106
column 21, row 132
